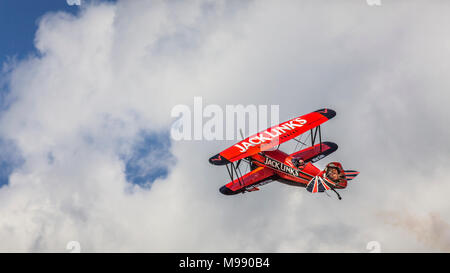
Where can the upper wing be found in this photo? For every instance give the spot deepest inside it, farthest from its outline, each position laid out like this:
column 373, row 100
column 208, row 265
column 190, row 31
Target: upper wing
column 272, row 137
column 247, row 181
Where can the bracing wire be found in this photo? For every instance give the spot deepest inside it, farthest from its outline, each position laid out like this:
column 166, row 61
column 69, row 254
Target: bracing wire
column 302, row 143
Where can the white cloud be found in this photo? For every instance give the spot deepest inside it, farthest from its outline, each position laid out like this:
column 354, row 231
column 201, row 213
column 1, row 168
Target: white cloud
column 117, row 69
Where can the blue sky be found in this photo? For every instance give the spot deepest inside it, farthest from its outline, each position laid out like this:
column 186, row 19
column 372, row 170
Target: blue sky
column 18, row 24
column 144, row 165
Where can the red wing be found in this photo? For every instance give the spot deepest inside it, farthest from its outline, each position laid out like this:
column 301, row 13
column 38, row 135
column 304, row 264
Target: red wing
column 248, row 181
column 272, row 137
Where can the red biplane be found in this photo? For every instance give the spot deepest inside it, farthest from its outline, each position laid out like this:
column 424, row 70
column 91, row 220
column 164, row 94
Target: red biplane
column 267, row 163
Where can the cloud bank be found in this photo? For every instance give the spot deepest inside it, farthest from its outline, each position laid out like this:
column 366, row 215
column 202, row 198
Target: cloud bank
column 76, row 112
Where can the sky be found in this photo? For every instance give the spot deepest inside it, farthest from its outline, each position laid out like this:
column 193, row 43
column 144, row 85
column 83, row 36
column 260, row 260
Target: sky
column 85, row 120
column 19, row 22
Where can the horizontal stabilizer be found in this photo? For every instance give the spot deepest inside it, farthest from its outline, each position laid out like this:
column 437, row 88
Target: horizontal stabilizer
column 350, row 174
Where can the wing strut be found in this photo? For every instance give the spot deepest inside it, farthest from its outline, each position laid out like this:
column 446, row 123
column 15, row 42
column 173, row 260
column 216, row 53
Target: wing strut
column 314, row 136
column 234, row 170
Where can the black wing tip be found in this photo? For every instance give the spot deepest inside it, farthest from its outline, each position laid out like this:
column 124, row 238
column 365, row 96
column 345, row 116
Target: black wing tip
column 218, row 160
column 225, row 190
column 327, row 112
column 333, row 146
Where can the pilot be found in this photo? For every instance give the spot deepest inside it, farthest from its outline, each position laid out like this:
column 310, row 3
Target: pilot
column 334, row 173
column 298, row 163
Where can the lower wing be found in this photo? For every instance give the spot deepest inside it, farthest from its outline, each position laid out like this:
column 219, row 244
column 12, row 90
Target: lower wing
column 248, row 182
column 316, row 152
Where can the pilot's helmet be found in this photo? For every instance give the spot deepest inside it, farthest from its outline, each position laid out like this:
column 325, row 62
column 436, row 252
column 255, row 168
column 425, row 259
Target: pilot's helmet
column 332, row 166
column 298, row 161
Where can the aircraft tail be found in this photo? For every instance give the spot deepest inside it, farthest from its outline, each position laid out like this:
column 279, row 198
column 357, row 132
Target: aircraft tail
column 350, row 174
